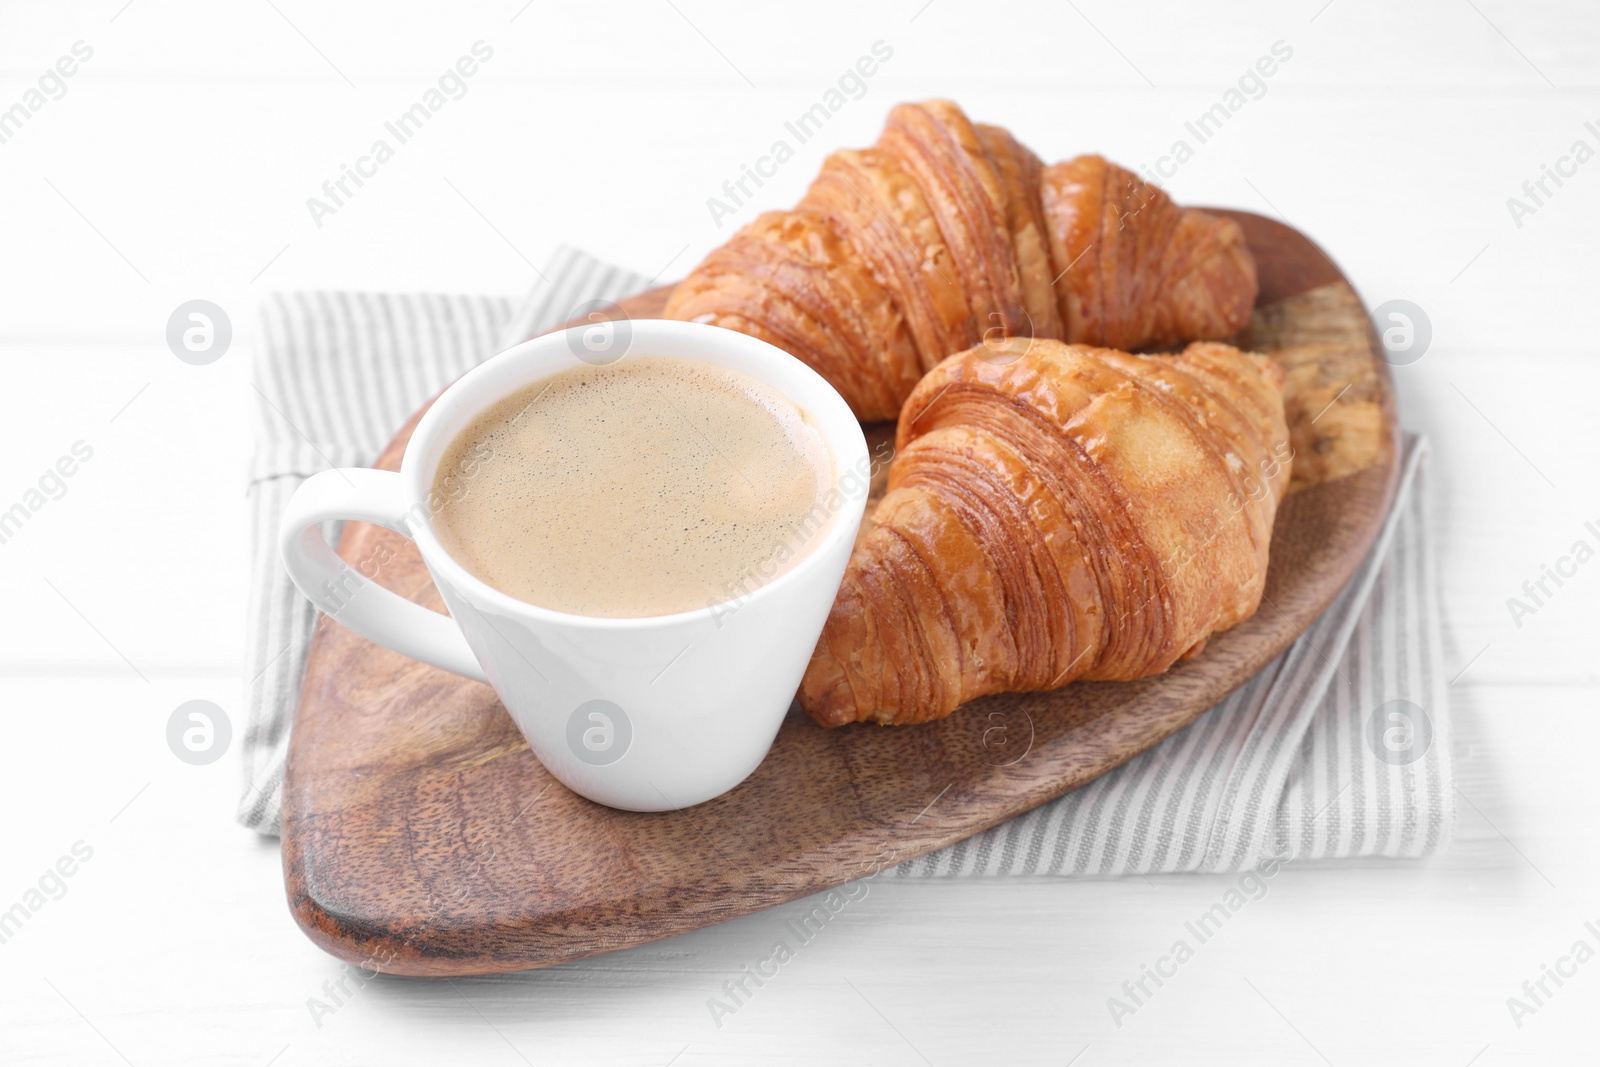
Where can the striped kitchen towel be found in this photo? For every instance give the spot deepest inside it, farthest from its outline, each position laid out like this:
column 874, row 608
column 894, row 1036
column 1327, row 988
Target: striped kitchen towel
column 1340, row 747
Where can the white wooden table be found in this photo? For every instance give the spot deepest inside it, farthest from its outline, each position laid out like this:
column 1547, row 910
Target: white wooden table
column 175, row 163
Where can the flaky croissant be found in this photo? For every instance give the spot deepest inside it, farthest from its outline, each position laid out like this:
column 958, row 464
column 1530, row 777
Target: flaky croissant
column 945, row 233
column 1055, row 512
column 1144, row 272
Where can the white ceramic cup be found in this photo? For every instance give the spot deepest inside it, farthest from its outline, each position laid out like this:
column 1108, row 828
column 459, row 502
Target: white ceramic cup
column 646, row 714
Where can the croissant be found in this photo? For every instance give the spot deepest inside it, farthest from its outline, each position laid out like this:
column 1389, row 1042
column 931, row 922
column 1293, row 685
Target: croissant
column 945, row 233
column 1144, row 272
column 1055, row 512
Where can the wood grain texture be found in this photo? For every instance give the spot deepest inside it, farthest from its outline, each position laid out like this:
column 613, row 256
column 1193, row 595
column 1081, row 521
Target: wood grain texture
column 421, row 836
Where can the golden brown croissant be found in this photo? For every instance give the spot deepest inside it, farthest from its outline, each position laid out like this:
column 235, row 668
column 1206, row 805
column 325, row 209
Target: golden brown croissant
column 1055, row 512
column 946, row 232
column 1137, row 270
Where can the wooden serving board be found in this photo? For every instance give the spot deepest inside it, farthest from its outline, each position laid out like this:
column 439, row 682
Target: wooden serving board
column 422, row 837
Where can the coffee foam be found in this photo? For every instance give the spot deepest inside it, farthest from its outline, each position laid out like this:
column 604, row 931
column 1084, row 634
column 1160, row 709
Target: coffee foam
column 650, row 486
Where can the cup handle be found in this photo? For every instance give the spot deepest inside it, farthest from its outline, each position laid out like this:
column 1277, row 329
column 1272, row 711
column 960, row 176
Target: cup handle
column 350, row 598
